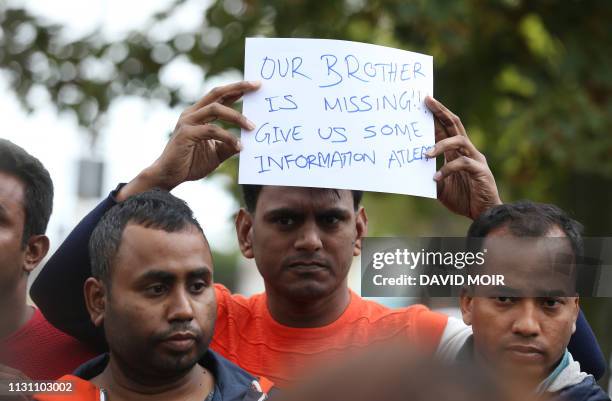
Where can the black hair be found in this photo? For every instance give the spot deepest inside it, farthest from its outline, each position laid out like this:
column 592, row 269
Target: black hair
column 38, row 196
column 155, row 209
column 251, row 194
column 528, row 219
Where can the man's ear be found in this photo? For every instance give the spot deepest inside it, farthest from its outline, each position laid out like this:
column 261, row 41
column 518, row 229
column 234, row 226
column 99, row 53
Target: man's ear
column 244, row 231
column 466, row 303
column 361, row 225
column 576, row 303
column 35, row 250
column 95, row 299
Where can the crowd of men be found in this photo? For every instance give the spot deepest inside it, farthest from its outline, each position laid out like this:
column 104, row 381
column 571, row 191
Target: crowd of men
column 127, row 308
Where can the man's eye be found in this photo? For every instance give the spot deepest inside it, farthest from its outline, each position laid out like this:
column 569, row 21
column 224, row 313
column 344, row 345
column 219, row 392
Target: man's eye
column 331, row 220
column 551, row 302
column 285, row 221
column 505, row 300
column 197, row 287
column 156, row 290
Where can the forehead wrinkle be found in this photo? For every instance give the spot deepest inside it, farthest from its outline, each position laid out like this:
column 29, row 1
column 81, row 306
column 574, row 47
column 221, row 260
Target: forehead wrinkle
column 132, row 247
column 306, row 198
column 156, row 274
column 325, row 193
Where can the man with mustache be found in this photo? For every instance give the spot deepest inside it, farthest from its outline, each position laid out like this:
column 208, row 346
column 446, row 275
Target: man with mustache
column 303, row 241
column 521, row 330
column 152, row 293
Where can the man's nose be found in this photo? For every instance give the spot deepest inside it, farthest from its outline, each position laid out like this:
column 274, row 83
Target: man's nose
column 309, row 238
column 527, row 323
column 180, row 307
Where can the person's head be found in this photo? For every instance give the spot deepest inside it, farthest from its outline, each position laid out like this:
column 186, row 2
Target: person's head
column 152, row 285
column 303, row 239
column 26, row 201
column 523, row 326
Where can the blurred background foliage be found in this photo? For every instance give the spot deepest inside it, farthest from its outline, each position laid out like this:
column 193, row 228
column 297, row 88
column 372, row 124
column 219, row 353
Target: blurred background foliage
column 531, row 81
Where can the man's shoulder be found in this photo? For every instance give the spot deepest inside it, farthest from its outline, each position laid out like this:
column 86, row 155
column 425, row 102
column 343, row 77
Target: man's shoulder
column 238, row 307
column 57, row 341
column 42, row 351
column 377, row 312
column 76, row 389
column 225, row 371
column 36, row 326
column 233, row 382
column 92, row 367
column 224, row 295
column 415, row 322
column 586, row 390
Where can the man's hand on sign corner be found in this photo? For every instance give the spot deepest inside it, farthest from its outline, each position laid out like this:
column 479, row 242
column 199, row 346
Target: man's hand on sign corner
column 465, row 183
column 198, row 145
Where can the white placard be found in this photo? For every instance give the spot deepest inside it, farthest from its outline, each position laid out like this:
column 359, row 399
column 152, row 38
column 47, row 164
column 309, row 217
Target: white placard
column 338, row 114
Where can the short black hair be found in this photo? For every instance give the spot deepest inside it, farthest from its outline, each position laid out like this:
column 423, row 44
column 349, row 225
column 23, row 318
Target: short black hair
column 38, row 196
column 251, row 193
column 155, row 209
column 529, row 219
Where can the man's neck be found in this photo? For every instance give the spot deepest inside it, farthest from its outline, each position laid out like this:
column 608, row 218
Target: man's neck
column 196, row 384
column 14, row 310
column 309, row 313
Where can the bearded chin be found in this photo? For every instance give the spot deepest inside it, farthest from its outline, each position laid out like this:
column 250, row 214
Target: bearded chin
column 179, row 364
column 170, row 364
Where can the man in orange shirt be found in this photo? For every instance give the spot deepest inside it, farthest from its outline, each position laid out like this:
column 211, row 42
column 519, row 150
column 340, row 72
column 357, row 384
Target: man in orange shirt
column 303, row 241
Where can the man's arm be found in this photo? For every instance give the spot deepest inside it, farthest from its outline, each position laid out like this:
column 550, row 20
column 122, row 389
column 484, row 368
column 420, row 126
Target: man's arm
column 196, row 148
column 585, row 349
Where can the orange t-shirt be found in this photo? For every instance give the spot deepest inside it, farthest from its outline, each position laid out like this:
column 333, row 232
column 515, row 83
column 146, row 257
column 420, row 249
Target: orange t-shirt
column 246, row 334
column 80, row 390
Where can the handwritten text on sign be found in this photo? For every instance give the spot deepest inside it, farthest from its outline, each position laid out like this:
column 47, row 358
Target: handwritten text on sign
column 338, row 114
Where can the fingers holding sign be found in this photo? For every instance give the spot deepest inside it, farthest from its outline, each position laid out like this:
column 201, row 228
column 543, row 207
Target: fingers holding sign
column 198, row 145
column 228, row 94
column 465, row 182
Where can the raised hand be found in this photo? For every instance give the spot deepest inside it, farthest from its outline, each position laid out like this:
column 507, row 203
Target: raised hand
column 198, row 146
column 466, row 185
